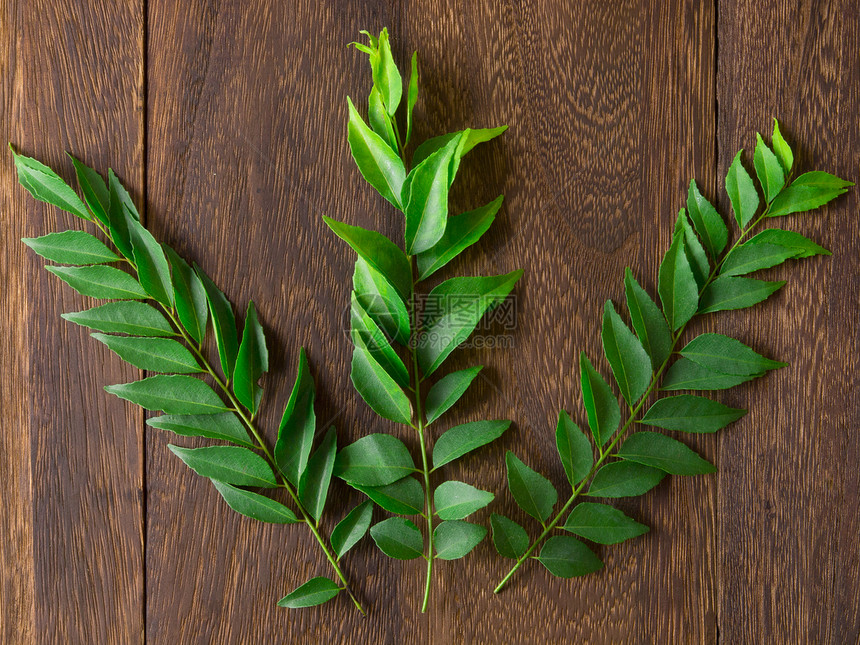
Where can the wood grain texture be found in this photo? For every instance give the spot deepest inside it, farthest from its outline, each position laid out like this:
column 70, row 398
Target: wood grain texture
column 586, row 90
column 612, row 108
column 72, row 561
column 789, row 516
column 17, row 585
column 247, row 151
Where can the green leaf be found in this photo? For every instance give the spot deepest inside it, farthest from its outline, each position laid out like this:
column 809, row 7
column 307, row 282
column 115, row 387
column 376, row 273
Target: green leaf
column 803, row 247
column 374, row 43
column 228, row 464
column 171, row 394
column 601, row 406
column 351, row 529
column 398, row 538
column 455, row 539
column 224, row 323
column 648, row 321
column 121, row 216
column 122, row 195
column 821, row 179
column 798, row 199
column 574, row 449
column 403, row 497
column 768, row 170
column 224, row 426
column 667, row 454
column 720, row 353
column 694, row 250
column 602, row 524
column 411, row 97
column 314, row 592
column 378, row 389
column 379, row 252
column 315, row 480
column 381, row 301
column 124, row 317
column 752, row 257
column 452, row 311
column 461, row 439
column 298, row 425
column 782, row 149
column 386, row 76
column 379, row 120
column 46, row 186
column 689, row 413
column 461, row 232
column 707, row 221
column 100, row 281
column 434, row 144
column 807, row 192
column 677, row 286
column 455, row 500
column 374, row 460
column 71, row 247
column 152, row 268
column 567, row 557
column 742, row 192
column 254, row 505
column 152, row 354
column 532, row 492
column 367, row 335
column 427, row 200
column 251, row 362
column 685, row 374
column 470, row 138
column 509, row 538
column 94, row 188
column 376, row 161
column 624, row 479
column 447, row 391
column 189, row 295
column 735, row 293
column 630, row 363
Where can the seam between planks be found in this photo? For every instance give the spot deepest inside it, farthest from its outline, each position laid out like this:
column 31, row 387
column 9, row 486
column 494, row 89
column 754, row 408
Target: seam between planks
column 718, row 568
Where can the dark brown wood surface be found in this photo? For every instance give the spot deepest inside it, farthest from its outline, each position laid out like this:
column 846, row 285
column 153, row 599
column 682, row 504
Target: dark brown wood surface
column 227, row 121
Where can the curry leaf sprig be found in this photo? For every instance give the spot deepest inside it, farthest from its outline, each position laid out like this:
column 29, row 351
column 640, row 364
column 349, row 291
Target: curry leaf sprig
column 389, row 313
column 168, row 339
column 696, row 276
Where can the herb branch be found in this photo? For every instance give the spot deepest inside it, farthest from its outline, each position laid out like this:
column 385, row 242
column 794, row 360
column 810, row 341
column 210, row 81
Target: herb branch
column 696, row 277
column 388, row 309
column 169, row 340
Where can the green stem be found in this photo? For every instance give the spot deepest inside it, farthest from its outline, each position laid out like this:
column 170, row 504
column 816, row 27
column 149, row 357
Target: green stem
column 419, row 426
column 634, row 411
column 306, row 518
column 400, row 147
column 576, row 491
column 237, row 408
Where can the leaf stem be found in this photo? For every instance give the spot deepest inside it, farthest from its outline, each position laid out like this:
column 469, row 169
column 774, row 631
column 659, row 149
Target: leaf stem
column 419, row 426
column 576, row 491
column 306, row 518
column 238, row 409
column 634, row 411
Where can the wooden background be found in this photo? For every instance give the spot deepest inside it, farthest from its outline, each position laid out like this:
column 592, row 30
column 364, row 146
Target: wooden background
column 227, row 120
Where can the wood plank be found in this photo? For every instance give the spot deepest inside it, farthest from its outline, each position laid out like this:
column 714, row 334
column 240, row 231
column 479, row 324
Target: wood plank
column 17, row 586
column 247, row 150
column 788, row 498
column 611, row 108
column 73, row 454
column 611, row 112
